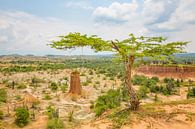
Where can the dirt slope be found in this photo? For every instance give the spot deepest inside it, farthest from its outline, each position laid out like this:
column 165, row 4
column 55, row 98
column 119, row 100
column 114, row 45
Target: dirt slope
column 163, row 116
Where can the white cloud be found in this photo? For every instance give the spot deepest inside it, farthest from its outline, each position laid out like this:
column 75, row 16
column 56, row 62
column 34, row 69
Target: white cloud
column 25, row 33
column 154, row 14
column 116, row 12
column 183, row 16
column 172, row 18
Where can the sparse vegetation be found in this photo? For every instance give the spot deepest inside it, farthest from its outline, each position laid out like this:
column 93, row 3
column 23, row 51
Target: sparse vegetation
column 110, row 100
column 191, row 92
column 3, row 95
column 1, row 114
column 55, row 123
column 53, row 84
column 22, row 116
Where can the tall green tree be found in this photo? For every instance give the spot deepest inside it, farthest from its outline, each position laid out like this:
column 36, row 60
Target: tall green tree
column 127, row 50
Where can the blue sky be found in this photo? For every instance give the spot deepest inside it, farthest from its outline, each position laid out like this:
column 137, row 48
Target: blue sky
column 27, row 26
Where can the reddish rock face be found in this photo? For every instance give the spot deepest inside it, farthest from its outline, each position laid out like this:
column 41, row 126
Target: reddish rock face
column 75, row 85
column 168, row 71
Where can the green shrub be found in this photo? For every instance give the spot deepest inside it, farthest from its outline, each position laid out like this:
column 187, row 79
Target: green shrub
column 170, row 86
column 55, row 123
column 65, row 78
column 178, row 83
column 90, row 72
column 97, row 82
column 119, row 118
column 142, row 92
column 1, row 114
column 82, row 74
column 18, row 97
column 191, row 92
column 89, row 80
column 21, row 86
column 165, row 91
column 111, row 100
column 139, row 80
column 154, row 88
column 166, row 80
column 47, row 97
column 51, row 112
column 64, row 87
column 35, row 82
column 71, row 116
column 124, row 94
column 111, row 78
column 53, row 86
column 3, row 95
column 85, row 83
column 156, row 79
column 150, row 82
column 22, row 116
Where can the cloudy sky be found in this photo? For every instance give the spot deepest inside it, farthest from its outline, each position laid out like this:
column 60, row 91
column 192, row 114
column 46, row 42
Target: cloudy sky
column 27, row 26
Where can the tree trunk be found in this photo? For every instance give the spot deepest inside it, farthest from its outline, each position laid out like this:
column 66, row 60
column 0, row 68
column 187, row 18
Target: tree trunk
column 134, row 101
column 75, row 85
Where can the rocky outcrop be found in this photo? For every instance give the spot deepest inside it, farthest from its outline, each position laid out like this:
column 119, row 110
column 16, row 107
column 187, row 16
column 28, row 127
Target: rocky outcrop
column 75, row 85
column 168, row 71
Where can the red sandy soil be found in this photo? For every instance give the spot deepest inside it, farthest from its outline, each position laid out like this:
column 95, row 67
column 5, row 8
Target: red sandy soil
column 180, row 120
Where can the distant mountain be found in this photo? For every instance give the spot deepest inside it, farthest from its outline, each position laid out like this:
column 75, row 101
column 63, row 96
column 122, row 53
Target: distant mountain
column 185, row 55
column 88, row 56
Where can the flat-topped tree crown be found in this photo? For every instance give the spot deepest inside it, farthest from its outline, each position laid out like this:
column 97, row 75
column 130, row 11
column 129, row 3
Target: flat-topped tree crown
column 134, row 46
column 73, row 40
column 128, row 49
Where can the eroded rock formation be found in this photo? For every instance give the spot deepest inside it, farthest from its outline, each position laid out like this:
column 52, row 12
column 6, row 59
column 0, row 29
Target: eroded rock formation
column 75, row 85
column 168, row 71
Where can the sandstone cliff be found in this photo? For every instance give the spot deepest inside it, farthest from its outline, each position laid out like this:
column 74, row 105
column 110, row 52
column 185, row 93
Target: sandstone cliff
column 184, row 72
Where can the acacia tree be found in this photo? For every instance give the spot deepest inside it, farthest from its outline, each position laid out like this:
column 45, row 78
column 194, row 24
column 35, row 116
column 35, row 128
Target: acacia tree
column 127, row 50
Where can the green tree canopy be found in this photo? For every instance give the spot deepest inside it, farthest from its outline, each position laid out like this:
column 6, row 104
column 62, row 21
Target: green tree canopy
column 141, row 46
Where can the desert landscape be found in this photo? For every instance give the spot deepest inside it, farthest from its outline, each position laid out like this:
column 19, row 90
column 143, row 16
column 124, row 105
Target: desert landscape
column 42, row 85
column 97, row 64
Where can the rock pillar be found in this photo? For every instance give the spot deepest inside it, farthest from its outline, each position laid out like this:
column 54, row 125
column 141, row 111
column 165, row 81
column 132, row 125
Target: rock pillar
column 75, row 85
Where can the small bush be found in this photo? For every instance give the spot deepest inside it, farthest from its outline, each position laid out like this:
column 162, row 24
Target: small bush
column 111, row 78
column 47, row 97
column 90, row 72
column 119, row 118
column 156, row 79
column 18, row 97
column 1, row 114
column 55, row 123
column 52, row 112
column 166, row 80
column 139, row 80
column 53, row 86
column 154, row 88
column 70, row 116
column 65, row 78
column 111, row 100
column 3, row 95
column 64, row 87
column 97, row 82
column 142, row 92
column 165, row 91
column 21, row 86
column 85, row 83
column 191, row 92
column 22, row 116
